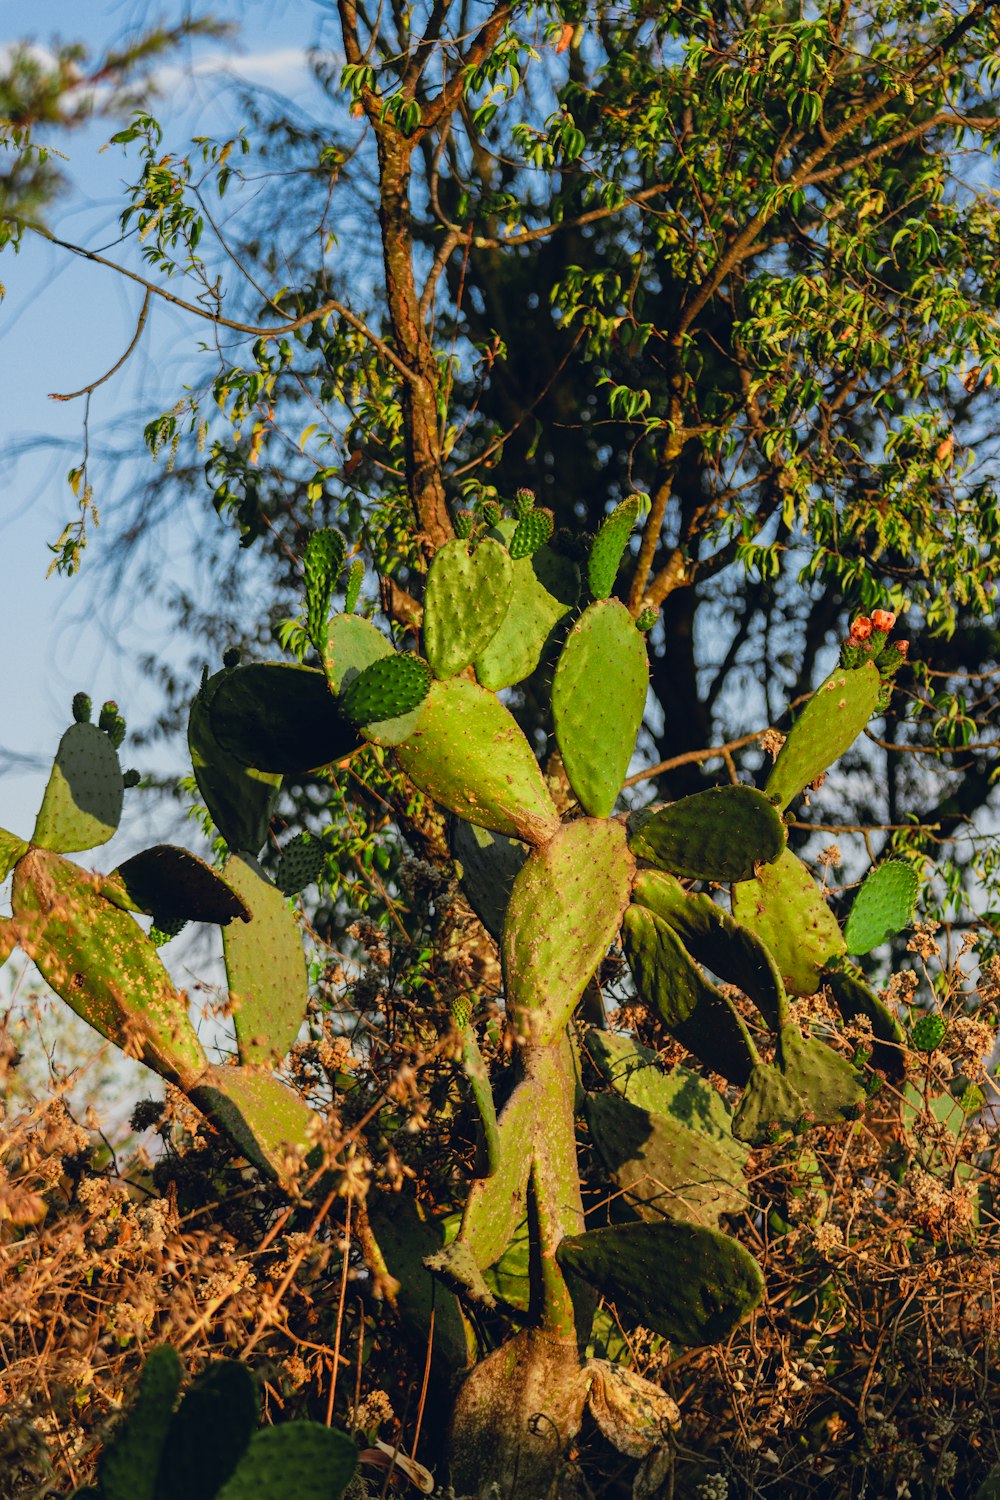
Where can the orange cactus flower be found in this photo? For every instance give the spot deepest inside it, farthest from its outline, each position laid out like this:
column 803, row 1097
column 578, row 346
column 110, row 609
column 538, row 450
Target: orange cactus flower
column 861, row 628
column 883, row 619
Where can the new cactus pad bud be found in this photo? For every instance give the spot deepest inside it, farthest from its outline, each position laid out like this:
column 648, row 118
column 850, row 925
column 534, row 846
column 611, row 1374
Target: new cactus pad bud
column 231, row 657
column 523, row 503
column 463, row 524
column 112, row 723
column 491, row 512
column 82, row 708
column 645, row 620
column 928, row 1033
column 355, row 579
column 131, row 778
column 533, row 530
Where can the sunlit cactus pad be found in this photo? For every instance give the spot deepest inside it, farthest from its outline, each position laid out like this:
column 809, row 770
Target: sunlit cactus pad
column 787, row 910
column 82, row 805
column 465, row 603
column 721, row 835
column 828, row 725
column 883, row 906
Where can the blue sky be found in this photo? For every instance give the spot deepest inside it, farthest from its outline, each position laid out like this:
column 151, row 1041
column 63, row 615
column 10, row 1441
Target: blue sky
column 63, row 323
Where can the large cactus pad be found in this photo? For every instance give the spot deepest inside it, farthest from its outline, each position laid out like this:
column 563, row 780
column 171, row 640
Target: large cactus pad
column 239, row 798
column 565, row 909
column 786, row 909
column 170, row 885
column 265, row 964
column 465, row 603
column 688, row 1283
column 828, row 725
column 280, row 718
column 721, row 835
column 82, row 804
column 598, row 699
column 469, row 754
column 544, row 588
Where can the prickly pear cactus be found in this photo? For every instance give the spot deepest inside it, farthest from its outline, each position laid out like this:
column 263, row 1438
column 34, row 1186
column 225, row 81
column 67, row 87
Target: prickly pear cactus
column 465, row 602
column 719, row 835
column 82, row 804
column 786, row 910
column 828, row 725
column 883, row 906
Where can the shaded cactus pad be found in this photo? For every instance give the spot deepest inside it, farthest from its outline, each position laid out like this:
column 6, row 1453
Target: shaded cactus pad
column 883, row 906
column 239, row 798
column 488, row 864
column 688, row 1283
column 280, row 718
column 721, row 835
column 598, row 699
column 170, row 884
column 82, row 805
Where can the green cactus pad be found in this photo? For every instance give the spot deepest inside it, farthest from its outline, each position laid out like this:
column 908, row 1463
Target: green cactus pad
column 301, row 1459
column 265, row 965
column 534, row 529
column 769, row 1109
column 883, row 906
column 712, row 938
column 497, row 1204
column 610, row 542
column 671, row 984
column 598, row 699
column 83, row 708
column 209, row 1433
column 300, row 863
column 487, row 864
column 280, row 718
column 102, row 964
column 464, row 603
column 352, row 643
column 263, row 1117
column 129, row 1464
column 83, row 800
column 665, row 1169
column 469, row 754
column 487, row 1132
column 169, row 884
column 565, row 909
column 355, row 578
column 828, row 725
column 386, row 700
column 829, row 1087
column 854, row 998
column 722, row 834
column 786, row 909
column 405, row 1237
column 239, row 799
column 689, row 1284
column 635, row 1073
column 11, row 849
column 544, row 588
column 321, row 565
column 928, row 1033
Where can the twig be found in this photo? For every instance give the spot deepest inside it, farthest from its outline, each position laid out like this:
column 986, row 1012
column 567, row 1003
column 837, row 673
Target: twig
column 87, row 389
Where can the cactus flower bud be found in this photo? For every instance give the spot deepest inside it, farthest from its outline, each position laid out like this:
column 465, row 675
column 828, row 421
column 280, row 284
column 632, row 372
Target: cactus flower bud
column 861, row 628
column 902, row 647
column 883, row 619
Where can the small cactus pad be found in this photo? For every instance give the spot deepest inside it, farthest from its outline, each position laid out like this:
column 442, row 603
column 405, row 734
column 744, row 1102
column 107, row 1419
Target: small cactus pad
column 263, row 1117
column 788, row 912
column 712, row 938
column 671, row 984
column 386, row 700
column 239, row 799
column 355, row 578
column 280, row 718
column 635, row 1073
column 83, row 800
column 301, row 1459
column 828, row 725
column 610, row 542
column 564, row 912
column 665, row 1169
column 102, row 964
column 487, row 864
column 534, row 529
column 544, row 588
column 883, row 906
column 722, row 834
column 170, row 884
column 265, row 965
column 464, row 603
column 598, row 699
column 11, row 849
column 300, row 864
column 321, row 565
column 352, row 643
column 634, row 1414
column 929, row 1032
column 112, row 722
column 854, row 998
column 689, row 1284
column 830, row 1088
column 497, row 1204
column 469, row 754
column 210, row 1432
column 83, row 708
column 130, row 1462
column 769, row 1109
